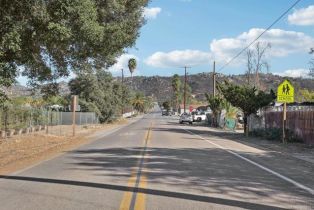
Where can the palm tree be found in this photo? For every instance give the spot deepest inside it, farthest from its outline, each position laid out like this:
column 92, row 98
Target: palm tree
column 138, row 102
column 216, row 104
column 132, row 65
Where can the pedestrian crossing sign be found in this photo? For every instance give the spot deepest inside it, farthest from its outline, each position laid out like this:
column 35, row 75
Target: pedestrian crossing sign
column 285, row 92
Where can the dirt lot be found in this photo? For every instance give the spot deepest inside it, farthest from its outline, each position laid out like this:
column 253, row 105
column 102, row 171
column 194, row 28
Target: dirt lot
column 20, row 152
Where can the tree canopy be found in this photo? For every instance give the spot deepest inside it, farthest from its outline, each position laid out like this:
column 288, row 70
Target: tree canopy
column 246, row 98
column 98, row 93
column 49, row 39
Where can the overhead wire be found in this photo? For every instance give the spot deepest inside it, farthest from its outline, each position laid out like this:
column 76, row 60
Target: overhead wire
column 257, row 38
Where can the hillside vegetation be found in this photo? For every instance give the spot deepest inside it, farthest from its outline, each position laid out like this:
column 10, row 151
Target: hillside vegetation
column 160, row 87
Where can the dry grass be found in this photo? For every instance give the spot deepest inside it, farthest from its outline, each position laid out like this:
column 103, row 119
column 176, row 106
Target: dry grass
column 20, row 152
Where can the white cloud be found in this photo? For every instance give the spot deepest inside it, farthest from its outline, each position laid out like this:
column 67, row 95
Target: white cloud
column 151, row 13
column 283, row 43
column 122, row 63
column 294, row 73
column 303, row 17
column 178, row 58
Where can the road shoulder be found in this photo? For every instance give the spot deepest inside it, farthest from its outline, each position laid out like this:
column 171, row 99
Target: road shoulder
column 27, row 151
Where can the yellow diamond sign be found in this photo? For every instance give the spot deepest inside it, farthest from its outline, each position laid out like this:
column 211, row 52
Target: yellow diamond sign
column 285, row 92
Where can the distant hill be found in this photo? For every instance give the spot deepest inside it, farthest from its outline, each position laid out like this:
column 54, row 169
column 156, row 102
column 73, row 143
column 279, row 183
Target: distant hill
column 20, row 90
column 160, row 87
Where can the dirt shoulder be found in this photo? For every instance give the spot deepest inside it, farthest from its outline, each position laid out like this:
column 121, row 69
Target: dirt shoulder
column 296, row 150
column 20, row 152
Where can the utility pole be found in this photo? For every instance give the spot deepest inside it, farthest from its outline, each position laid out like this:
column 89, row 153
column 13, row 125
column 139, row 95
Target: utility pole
column 122, row 95
column 185, row 83
column 214, row 79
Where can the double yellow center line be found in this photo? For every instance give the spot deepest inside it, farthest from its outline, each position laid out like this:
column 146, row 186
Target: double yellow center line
column 133, row 200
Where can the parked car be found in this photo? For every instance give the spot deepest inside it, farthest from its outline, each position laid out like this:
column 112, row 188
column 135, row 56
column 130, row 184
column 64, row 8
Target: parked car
column 198, row 116
column 185, row 117
column 166, row 113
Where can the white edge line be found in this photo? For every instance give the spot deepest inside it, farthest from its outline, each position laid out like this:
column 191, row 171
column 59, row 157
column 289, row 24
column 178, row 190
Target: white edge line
column 297, row 184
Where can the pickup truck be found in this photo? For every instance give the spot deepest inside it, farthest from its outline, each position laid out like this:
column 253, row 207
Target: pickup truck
column 198, row 116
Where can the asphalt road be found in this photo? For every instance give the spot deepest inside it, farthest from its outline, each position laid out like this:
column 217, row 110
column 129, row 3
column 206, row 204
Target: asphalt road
column 155, row 163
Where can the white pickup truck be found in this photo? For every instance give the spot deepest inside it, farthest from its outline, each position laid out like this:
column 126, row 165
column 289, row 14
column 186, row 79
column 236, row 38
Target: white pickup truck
column 198, row 116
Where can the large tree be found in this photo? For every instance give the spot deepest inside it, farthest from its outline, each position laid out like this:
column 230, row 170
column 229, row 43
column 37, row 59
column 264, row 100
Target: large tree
column 248, row 99
column 49, row 39
column 99, row 93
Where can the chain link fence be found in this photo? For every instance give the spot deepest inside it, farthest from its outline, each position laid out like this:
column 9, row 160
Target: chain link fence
column 25, row 120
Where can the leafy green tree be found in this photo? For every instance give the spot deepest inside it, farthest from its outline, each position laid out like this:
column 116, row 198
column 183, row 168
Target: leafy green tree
column 132, row 65
column 246, row 98
column 98, row 93
column 49, row 39
column 216, row 104
column 176, row 87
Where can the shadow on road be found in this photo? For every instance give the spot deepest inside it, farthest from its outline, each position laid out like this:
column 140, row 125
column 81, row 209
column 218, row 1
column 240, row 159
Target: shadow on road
column 206, row 170
column 186, row 196
column 180, row 129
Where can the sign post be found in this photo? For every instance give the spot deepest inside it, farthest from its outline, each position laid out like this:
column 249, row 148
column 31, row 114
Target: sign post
column 285, row 94
column 74, row 105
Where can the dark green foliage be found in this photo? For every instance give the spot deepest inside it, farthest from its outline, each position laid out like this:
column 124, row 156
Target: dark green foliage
column 98, row 93
column 49, row 39
column 246, row 98
column 166, row 105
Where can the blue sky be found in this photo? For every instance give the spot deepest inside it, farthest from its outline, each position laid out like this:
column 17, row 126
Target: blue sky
column 196, row 32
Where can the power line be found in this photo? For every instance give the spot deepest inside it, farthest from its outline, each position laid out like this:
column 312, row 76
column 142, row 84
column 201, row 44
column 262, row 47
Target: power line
column 267, row 29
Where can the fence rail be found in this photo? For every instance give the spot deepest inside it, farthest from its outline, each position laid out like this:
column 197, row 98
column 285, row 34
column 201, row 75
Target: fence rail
column 21, row 120
column 300, row 122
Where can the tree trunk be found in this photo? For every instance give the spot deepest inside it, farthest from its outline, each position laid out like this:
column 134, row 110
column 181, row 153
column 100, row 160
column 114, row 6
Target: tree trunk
column 246, row 128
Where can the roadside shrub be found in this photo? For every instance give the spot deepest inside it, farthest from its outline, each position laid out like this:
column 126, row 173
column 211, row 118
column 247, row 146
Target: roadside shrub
column 275, row 134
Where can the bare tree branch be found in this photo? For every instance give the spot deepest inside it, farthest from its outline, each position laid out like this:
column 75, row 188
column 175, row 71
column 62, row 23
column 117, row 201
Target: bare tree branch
column 256, row 62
